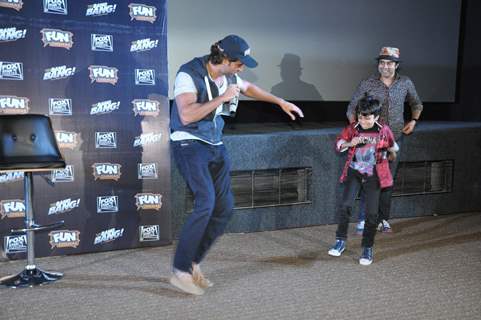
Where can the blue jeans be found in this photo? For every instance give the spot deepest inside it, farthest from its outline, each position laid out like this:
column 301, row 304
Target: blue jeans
column 205, row 169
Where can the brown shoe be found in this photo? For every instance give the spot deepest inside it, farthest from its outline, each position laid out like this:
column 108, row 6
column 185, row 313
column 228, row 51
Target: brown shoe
column 185, row 282
column 199, row 278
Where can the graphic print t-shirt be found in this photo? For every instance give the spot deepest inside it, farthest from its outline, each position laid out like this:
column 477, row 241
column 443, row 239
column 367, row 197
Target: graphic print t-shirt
column 365, row 158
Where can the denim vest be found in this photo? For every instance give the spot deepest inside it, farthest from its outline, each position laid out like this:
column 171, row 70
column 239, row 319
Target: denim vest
column 210, row 127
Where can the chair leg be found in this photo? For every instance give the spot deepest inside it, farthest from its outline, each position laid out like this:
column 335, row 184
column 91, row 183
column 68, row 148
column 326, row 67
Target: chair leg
column 31, row 275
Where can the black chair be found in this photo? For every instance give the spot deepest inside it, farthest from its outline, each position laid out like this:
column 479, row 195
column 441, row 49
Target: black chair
column 28, row 144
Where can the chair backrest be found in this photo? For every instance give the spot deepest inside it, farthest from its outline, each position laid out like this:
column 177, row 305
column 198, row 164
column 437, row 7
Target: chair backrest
column 27, row 143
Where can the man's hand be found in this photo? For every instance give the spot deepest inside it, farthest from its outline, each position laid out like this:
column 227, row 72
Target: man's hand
column 290, row 109
column 392, row 156
column 409, row 127
column 232, row 91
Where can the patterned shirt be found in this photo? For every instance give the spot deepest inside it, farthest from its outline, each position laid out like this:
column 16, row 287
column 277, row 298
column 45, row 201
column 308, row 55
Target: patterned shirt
column 392, row 99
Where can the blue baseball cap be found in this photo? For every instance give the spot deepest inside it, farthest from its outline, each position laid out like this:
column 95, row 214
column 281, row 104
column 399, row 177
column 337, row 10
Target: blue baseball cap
column 237, row 48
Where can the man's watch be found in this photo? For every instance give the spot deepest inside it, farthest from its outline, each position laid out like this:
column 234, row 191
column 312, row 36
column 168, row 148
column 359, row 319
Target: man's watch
column 415, row 120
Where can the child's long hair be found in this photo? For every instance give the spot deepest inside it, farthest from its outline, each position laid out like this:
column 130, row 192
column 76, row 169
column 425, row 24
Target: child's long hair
column 368, row 105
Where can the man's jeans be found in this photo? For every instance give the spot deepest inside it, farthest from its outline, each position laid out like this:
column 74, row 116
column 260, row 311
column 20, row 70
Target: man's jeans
column 205, row 169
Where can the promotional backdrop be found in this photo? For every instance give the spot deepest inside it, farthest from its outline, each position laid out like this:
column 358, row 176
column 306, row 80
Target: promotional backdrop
column 99, row 70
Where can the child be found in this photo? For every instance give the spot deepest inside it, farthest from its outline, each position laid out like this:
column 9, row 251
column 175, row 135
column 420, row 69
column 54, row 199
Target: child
column 366, row 167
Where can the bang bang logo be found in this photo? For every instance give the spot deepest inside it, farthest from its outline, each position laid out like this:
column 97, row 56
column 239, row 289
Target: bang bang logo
column 14, row 105
column 57, row 38
column 12, row 34
column 104, row 107
column 12, row 4
column 100, row 9
column 60, row 72
column 142, row 12
column 103, row 74
column 9, row 177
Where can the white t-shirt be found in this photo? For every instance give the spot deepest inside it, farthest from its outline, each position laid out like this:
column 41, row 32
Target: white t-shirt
column 185, row 84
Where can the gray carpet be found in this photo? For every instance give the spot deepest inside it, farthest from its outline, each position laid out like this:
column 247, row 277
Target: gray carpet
column 429, row 268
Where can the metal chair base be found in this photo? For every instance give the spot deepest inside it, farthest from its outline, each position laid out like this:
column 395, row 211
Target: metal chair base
column 30, row 278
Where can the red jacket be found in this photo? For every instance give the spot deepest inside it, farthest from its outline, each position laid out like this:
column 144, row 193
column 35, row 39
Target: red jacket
column 385, row 141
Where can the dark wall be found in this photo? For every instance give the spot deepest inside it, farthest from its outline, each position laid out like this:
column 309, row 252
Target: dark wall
column 466, row 108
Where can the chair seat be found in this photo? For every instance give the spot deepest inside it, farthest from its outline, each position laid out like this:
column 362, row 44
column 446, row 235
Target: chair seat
column 31, row 163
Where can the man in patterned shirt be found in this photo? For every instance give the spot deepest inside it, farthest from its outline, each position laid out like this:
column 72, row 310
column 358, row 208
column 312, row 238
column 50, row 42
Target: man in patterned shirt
column 393, row 90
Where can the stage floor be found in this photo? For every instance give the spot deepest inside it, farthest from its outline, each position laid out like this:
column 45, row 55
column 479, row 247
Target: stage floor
column 428, row 268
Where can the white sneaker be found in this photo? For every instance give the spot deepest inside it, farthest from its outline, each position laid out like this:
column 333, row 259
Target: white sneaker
column 384, row 226
column 199, row 278
column 185, row 282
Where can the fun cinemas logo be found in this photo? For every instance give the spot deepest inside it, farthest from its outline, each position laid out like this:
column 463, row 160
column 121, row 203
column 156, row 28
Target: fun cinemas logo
column 146, row 139
column 107, row 204
column 148, row 201
column 14, row 105
column 60, row 72
column 107, row 171
column 11, row 70
column 103, row 74
column 106, row 140
column 144, row 77
column 57, row 38
column 9, row 177
column 12, row 34
column 64, row 238
column 104, row 107
column 63, row 175
column 100, row 9
column 108, row 235
column 102, row 42
column 146, row 107
column 149, row 233
column 55, row 6
column 63, row 206
column 12, row 4
column 67, row 139
column 147, row 171
column 143, row 45
column 142, row 12
column 15, row 244
column 60, row 107
column 12, row 208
